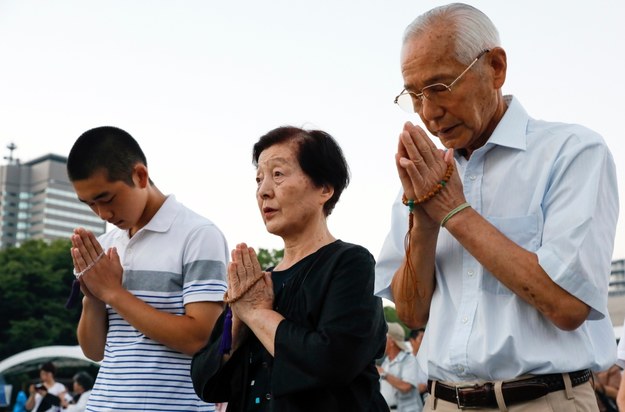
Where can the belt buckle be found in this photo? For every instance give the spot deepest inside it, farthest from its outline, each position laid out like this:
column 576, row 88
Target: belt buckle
column 458, row 389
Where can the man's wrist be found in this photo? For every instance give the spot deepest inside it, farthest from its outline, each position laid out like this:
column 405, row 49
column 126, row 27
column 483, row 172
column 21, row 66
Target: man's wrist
column 93, row 303
column 114, row 297
column 383, row 375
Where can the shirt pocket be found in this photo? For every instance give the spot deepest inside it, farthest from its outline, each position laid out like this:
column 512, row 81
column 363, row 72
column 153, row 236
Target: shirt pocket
column 522, row 230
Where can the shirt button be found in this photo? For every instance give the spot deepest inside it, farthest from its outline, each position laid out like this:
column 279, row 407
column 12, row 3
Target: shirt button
column 465, row 319
column 268, row 396
column 470, row 273
column 460, row 368
column 472, row 177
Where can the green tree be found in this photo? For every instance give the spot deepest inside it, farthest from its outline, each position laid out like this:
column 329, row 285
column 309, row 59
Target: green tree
column 390, row 314
column 269, row 258
column 35, row 281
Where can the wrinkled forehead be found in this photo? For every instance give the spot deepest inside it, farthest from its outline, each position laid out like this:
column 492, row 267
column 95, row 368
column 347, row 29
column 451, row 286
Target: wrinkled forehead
column 423, row 64
column 283, row 152
column 432, row 47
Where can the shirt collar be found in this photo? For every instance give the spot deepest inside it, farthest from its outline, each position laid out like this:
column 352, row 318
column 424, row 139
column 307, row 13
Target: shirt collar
column 400, row 357
column 511, row 131
column 164, row 217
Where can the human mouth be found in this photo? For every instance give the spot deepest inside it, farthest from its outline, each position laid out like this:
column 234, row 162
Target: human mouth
column 446, row 133
column 268, row 212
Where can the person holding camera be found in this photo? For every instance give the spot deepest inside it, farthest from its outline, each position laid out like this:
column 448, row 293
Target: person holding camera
column 46, row 396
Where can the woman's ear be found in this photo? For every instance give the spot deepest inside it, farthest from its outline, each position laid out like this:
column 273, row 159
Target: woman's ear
column 327, row 192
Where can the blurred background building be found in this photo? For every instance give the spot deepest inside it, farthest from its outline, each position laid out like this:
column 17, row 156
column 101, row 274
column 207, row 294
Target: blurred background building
column 37, row 201
column 616, row 295
column 617, row 278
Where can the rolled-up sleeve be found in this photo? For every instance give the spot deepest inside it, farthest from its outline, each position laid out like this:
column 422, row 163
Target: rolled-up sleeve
column 580, row 212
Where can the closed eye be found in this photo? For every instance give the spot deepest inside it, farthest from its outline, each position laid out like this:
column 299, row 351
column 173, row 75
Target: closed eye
column 106, row 201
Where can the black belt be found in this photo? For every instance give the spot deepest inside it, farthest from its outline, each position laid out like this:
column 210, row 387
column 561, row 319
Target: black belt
column 483, row 395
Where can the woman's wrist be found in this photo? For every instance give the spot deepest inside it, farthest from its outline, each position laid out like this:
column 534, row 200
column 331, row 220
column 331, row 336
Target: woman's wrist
column 256, row 316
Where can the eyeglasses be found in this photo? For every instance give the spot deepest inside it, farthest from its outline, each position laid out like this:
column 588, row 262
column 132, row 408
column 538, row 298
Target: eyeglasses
column 412, row 102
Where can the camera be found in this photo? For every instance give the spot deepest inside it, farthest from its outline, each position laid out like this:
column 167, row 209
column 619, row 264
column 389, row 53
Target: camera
column 40, row 387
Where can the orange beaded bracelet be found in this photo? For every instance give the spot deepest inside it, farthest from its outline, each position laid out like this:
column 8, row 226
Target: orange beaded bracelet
column 435, row 190
column 408, row 269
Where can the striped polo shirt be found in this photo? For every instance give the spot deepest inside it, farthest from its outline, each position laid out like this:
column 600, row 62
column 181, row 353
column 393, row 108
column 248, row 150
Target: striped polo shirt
column 179, row 257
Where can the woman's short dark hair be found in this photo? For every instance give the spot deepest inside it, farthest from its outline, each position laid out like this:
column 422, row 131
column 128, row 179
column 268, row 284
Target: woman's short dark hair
column 319, row 156
column 84, row 379
column 48, row 367
column 108, row 149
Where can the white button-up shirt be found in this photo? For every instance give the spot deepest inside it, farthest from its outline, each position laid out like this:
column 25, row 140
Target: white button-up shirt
column 551, row 188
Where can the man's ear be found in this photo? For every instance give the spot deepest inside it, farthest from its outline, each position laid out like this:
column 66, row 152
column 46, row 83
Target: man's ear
column 499, row 63
column 140, row 175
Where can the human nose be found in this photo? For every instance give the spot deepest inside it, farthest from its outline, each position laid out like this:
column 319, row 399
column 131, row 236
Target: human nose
column 265, row 188
column 430, row 110
column 103, row 212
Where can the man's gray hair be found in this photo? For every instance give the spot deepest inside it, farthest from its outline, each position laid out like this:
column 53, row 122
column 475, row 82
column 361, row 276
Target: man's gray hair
column 474, row 31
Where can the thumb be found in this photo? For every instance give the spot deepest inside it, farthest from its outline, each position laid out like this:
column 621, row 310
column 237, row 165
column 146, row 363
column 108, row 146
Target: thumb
column 112, row 254
column 449, row 156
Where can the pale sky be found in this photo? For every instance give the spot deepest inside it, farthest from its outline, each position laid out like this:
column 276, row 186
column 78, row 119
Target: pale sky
column 198, row 82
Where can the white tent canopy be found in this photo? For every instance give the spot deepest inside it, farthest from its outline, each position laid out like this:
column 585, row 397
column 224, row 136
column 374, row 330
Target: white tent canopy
column 58, row 354
column 29, row 360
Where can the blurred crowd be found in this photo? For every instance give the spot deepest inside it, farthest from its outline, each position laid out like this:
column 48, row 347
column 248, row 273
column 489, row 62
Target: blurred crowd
column 49, row 395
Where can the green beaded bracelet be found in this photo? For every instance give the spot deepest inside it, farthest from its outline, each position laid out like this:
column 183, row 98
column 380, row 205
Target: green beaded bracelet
column 410, row 203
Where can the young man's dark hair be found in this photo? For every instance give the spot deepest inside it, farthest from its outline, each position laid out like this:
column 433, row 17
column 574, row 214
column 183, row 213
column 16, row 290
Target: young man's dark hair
column 108, row 149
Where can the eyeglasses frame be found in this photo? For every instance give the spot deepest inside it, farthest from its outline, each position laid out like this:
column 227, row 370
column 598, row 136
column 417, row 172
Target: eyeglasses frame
column 420, row 96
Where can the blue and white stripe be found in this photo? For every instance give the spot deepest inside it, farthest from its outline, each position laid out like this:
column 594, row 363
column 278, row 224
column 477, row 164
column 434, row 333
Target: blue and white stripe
column 178, row 258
